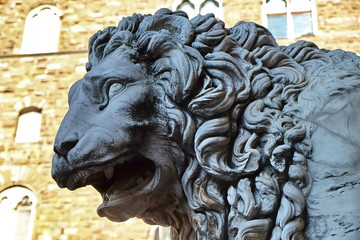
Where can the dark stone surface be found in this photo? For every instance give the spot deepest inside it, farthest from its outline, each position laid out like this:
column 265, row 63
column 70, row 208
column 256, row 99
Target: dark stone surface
column 219, row 133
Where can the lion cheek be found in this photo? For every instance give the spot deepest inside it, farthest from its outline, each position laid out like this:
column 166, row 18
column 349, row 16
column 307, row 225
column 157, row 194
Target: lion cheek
column 60, row 170
column 94, row 147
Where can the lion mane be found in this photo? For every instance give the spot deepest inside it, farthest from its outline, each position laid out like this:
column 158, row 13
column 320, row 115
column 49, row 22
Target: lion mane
column 231, row 95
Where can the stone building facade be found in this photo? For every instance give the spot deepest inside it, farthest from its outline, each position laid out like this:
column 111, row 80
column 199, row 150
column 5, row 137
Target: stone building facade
column 33, row 101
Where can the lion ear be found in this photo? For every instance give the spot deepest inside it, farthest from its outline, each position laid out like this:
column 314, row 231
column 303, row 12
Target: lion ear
column 178, row 25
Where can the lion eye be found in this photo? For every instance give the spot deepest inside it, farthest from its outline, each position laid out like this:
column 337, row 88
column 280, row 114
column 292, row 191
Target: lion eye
column 115, row 88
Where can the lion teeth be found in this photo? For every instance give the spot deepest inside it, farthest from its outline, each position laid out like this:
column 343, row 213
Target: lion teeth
column 109, row 172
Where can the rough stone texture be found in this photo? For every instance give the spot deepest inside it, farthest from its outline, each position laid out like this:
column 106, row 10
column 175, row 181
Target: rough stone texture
column 244, row 10
column 80, row 19
column 48, row 77
column 60, row 215
column 219, row 133
column 339, row 23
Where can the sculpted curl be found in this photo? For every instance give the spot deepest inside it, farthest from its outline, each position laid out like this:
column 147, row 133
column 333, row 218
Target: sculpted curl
column 230, row 129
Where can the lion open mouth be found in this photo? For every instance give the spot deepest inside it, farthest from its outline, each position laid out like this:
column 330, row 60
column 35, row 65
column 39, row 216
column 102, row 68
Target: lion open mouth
column 114, row 181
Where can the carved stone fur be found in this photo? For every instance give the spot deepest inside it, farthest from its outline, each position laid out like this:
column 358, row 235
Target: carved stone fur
column 219, row 133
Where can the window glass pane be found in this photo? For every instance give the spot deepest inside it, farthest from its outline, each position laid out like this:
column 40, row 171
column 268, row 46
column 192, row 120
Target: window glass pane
column 277, row 25
column 302, row 23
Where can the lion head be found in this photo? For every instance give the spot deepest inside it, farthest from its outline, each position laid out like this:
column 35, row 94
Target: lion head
column 186, row 123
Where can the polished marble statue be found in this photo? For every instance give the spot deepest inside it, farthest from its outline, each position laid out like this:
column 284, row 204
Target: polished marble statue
column 217, row 132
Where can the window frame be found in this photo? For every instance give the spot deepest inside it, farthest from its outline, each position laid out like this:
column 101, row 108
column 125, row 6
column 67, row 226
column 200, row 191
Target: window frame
column 292, row 8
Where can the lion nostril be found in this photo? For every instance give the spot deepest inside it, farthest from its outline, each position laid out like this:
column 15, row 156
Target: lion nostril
column 62, row 148
column 56, row 150
column 67, row 146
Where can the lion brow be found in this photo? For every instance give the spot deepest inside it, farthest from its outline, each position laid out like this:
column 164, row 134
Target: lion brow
column 130, row 76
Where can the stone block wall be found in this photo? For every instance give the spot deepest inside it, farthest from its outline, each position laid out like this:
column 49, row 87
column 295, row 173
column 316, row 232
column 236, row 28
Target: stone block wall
column 44, row 80
column 79, row 20
column 338, row 15
column 338, row 20
column 338, row 26
column 242, row 10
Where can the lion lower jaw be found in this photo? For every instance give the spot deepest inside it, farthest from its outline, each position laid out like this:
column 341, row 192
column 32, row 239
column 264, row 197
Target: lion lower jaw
column 116, row 207
column 118, row 201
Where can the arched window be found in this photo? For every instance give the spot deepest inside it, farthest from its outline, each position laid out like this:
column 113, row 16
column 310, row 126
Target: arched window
column 194, row 7
column 29, row 125
column 17, row 207
column 209, row 6
column 290, row 18
column 42, row 30
column 187, row 7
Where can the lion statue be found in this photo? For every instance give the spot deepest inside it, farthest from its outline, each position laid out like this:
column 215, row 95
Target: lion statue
column 219, row 133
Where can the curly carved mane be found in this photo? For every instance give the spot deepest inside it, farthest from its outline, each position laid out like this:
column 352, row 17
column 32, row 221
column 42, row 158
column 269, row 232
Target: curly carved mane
column 232, row 96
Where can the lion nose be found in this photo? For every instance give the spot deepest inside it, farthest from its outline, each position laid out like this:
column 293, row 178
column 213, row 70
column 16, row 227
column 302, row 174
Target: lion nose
column 63, row 146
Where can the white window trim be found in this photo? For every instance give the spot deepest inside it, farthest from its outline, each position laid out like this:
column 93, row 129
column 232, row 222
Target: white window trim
column 197, row 5
column 289, row 19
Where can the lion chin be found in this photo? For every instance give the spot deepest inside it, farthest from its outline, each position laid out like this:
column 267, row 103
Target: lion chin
column 219, row 133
